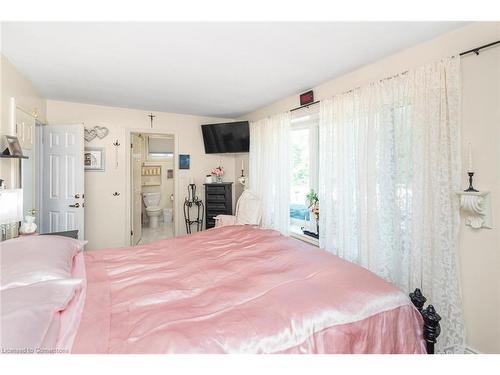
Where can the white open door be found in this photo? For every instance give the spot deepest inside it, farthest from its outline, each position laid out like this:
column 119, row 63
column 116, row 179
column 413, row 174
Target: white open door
column 63, row 179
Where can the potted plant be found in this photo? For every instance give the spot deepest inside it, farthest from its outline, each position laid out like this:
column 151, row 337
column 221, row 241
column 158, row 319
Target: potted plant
column 313, row 206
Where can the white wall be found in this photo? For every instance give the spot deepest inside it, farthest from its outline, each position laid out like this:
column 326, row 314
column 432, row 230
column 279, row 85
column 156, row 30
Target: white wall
column 105, row 215
column 479, row 249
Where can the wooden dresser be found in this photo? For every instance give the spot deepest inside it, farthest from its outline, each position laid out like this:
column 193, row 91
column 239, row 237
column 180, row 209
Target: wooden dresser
column 218, row 200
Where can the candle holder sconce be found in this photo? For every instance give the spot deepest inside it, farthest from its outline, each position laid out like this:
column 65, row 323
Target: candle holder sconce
column 471, row 179
column 475, row 206
column 116, row 143
column 242, row 179
column 192, row 201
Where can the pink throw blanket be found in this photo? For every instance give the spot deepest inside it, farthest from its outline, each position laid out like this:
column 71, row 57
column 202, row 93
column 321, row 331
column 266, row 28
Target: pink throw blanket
column 240, row 289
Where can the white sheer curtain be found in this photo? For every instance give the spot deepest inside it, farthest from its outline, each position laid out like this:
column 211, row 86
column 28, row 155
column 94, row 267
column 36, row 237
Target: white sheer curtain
column 389, row 167
column 270, row 169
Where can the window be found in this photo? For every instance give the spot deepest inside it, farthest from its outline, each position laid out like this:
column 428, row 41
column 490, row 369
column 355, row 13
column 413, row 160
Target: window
column 304, row 169
column 160, row 148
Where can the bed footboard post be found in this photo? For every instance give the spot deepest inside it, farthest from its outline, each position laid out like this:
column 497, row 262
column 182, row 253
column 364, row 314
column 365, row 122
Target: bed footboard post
column 432, row 328
column 418, row 299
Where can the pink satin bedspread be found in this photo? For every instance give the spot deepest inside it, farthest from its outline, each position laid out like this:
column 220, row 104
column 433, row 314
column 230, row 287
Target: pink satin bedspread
column 240, row 289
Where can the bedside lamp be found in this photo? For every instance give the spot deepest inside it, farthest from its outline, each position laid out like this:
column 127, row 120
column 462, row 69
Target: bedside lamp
column 11, row 209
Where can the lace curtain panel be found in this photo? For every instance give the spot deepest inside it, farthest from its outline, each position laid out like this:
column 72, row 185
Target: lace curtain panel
column 270, row 169
column 389, row 167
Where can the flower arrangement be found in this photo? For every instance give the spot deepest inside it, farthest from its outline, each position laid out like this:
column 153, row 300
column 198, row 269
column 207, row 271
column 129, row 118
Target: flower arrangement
column 218, row 172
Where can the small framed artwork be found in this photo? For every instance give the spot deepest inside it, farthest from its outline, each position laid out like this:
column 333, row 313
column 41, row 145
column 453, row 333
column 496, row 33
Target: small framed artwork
column 170, row 173
column 14, row 146
column 94, row 159
column 184, row 161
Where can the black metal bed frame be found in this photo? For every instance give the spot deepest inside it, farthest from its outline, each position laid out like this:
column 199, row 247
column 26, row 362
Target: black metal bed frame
column 432, row 328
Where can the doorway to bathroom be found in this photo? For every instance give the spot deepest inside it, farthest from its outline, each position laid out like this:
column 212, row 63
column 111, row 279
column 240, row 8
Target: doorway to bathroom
column 152, row 187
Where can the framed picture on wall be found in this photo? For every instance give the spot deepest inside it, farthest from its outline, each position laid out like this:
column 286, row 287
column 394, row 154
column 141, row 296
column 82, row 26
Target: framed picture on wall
column 184, row 161
column 94, row 158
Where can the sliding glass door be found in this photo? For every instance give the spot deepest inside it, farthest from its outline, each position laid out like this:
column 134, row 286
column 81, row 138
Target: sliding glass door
column 303, row 171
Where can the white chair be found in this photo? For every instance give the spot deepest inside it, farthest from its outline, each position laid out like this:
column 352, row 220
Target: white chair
column 248, row 211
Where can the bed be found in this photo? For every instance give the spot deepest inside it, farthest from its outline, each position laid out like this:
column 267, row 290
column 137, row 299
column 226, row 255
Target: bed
column 236, row 289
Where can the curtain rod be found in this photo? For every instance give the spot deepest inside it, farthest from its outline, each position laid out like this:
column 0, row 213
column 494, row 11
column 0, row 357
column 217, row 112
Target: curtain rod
column 348, row 91
column 475, row 50
column 304, row 106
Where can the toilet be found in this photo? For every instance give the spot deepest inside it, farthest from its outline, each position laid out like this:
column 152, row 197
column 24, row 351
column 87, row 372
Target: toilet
column 153, row 210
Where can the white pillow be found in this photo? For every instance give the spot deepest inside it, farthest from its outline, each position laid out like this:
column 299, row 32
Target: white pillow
column 30, row 315
column 32, row 259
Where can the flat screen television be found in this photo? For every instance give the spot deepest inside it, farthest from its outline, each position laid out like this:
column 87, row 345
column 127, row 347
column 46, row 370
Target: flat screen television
column 229, row 137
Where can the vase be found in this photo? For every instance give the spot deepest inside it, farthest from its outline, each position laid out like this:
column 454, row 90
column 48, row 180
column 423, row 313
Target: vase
column 28, row 226
column 218, row 179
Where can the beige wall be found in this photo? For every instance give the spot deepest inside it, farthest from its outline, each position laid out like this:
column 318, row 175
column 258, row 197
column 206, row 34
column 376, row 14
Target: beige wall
column 106, row 216
column 14, row 85
column 479, row 249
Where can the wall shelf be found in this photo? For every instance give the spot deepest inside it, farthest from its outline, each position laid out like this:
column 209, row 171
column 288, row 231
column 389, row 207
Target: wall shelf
column 6, row 154
column 151, row 170
column 13, row 157
column 476, row 207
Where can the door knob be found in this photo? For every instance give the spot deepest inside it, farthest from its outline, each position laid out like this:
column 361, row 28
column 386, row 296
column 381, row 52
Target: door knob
column 76, row 205
column 77, row 196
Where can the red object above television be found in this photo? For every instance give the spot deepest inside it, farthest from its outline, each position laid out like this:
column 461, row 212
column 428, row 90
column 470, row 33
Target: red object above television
column 307, row 98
